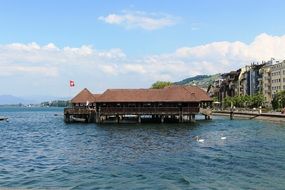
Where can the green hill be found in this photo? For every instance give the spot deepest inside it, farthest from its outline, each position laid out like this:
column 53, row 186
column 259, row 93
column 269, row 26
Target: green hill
column 200, row 80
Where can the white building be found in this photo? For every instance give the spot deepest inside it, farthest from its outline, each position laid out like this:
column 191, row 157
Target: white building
column 277, row 77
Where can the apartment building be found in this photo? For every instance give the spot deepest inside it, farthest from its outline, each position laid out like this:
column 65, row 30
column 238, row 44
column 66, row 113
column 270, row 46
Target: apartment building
column 249, row 79
column 228, row 85
column 266, row 78
column 243, row 85
column 265, row 82
column 277, row 77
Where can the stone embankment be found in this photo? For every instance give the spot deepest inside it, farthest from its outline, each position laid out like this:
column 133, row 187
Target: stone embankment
column 274, row 116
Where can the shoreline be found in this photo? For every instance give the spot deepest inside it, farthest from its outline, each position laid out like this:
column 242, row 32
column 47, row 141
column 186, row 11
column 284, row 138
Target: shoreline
column 252, row 115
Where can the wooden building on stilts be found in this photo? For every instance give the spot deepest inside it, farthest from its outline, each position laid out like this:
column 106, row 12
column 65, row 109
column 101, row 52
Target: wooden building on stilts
column 174, row 103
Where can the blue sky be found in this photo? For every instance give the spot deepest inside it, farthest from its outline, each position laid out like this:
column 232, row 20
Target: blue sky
column 129, row 44
column 74, row 23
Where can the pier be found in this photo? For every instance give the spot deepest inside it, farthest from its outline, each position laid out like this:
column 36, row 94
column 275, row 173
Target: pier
column 170, row 104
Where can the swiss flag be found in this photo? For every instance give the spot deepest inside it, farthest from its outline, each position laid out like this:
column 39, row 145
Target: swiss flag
column 71, row 83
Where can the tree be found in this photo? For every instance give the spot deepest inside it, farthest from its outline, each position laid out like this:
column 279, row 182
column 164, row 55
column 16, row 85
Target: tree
column 245, row 101
column 228, row 101
column 215, row 99
column 257, row 100
column 161, row 84
column 278, row 100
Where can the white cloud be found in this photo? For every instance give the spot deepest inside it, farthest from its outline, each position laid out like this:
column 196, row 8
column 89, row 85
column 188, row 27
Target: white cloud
column 48, row 60
column 82, row 51
column 216, row 57
column 134, row 68
column 112, row 53
column 138, row 19
column 112, row 19
column 263, row 47
column 113, row 68
column 110, row 69
column 51, row 46
column 10, row 70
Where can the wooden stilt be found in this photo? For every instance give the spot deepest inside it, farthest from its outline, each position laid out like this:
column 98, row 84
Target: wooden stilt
column 180, row 118
column 162, row 119
column 118, row 119
column 193, row 118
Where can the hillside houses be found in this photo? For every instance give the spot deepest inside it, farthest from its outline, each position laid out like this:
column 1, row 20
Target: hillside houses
column 266, row 78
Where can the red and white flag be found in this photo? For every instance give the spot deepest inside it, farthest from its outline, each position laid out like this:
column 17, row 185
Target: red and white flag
column 71, row 83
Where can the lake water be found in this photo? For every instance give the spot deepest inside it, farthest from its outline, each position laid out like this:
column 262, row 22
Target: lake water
column 38, row 150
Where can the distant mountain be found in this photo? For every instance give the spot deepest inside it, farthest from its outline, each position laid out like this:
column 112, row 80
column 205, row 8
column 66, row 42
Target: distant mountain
column 202, row 81
column 12, row 100
column 9, row 99
column 39, row 99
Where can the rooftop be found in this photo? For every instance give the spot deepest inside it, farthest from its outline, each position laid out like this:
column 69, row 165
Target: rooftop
column 84, row 96
column 175, row 93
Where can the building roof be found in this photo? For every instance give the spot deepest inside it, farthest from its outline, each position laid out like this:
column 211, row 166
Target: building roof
column 199, row 93
column 84, row 96
column 174, row 93
column 96, row 96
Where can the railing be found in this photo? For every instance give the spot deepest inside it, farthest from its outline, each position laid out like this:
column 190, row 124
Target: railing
column 133, row 110
column 74, row 111
column 147, row 110
column 190, row 109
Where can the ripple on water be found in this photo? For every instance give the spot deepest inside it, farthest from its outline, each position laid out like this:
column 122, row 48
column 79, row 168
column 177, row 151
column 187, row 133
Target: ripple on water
column 39, row 151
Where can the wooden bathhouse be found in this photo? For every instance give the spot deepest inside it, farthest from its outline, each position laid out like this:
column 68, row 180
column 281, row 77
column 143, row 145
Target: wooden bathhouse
column 173, row 103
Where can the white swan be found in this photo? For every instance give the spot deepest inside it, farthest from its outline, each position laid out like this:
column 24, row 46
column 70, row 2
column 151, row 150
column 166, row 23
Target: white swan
column 201, row 140
column 223, row 137
column 198, row 139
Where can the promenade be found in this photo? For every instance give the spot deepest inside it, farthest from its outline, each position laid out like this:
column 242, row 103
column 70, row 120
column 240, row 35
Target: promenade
column 269, row 116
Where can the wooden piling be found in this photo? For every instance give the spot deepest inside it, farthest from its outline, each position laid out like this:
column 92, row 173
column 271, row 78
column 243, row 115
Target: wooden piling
column 162, row 119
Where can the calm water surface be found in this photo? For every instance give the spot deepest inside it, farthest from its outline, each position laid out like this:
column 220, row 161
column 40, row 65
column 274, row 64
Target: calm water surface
column 38, row 150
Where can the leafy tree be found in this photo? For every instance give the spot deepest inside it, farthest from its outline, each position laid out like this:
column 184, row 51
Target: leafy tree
column 161, row 84
column 278, row 100
column 257, row 100
column 228, row 101
column 215, row 99
column 245, row 101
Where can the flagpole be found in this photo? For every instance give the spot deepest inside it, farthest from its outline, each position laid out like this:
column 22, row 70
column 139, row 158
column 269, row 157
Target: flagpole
column 69, row 89
column 71, row 85
column 69, row 94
